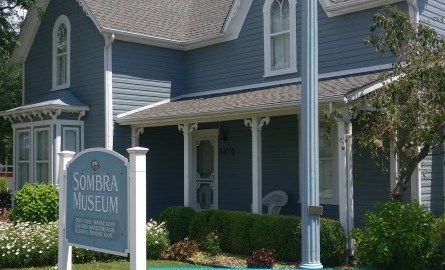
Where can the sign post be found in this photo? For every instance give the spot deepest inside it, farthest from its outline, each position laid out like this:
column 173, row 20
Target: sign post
column 95, row 209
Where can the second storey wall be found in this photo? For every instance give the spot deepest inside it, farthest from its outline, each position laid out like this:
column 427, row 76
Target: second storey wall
column 87, row 71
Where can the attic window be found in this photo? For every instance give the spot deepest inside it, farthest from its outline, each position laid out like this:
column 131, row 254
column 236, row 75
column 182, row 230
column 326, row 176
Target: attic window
column 61, row 53
column 279, row 37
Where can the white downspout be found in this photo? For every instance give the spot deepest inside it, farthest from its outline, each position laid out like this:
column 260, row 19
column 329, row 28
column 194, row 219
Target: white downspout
column 108, row 75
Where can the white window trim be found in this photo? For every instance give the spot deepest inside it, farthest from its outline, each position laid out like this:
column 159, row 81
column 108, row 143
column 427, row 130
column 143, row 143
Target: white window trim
column 76, row 130
column 61, row 20
column 268, row 72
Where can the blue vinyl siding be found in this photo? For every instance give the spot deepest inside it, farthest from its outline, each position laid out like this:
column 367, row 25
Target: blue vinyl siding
column 432, row 182
column 145, row 74
column 432, row 13
column 165, row 168
column 87, row 72
column 241, row 62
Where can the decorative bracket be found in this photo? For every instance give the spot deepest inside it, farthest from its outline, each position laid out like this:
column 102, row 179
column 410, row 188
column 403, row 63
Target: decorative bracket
column 263, row 121
column 193, row 127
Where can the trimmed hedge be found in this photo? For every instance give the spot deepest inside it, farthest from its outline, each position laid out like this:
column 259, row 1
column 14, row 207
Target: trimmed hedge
column 242, row 233
column 177, row 220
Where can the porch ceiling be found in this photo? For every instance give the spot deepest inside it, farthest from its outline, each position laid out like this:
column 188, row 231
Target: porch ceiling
column 276, row 100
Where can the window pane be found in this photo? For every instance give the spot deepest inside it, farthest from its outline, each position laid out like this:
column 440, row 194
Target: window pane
column 285, row 15
column 70, row 140
column 281, row 51
column 61, row 69
column 205, row 159
column 42, row 145
column 325, row 163
column 23, row 146
column 61, row 39
column 275, row 15
column 22, row 174
column 42, row 172
column 326, row 183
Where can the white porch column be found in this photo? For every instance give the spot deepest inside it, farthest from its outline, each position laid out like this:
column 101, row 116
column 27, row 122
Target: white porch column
column 256, row 126
column 187, row 130
column 345, row 183
column 65, row 251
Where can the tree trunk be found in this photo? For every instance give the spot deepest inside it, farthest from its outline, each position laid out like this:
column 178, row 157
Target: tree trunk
column 405, row 177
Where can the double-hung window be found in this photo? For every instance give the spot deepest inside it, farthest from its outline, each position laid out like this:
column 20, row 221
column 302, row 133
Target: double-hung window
column 61, row 53
column 280, row 50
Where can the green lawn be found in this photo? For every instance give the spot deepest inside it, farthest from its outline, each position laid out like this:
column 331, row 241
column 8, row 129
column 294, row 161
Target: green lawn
column 120, row 265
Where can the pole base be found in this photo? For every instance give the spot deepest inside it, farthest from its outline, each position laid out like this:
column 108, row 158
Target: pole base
column 311, row 266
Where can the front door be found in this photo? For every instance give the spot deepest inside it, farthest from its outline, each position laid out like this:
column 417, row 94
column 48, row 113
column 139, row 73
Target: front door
column 205, row 168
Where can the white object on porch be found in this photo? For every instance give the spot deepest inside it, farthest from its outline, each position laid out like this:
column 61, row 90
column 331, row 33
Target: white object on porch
column 274, row 201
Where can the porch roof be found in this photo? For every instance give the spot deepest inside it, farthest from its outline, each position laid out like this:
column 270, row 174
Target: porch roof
column 275, row 100
column 53, row 104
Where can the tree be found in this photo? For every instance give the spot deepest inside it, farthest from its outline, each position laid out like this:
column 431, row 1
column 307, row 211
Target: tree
column 408, row 112
column 10, row 77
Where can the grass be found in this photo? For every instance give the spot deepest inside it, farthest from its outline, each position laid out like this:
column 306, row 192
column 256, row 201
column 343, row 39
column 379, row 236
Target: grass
column 120, row 265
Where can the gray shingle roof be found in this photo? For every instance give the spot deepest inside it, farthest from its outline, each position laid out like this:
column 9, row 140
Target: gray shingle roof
column 178, row 20
column 253, row 100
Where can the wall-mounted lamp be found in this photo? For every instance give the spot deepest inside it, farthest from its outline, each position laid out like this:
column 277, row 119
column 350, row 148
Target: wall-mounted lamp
column 222, row 133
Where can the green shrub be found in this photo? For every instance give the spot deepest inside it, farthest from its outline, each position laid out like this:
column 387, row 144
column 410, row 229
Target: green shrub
column 177, row 220
column 212, row 244
column 5, row 199
column 182, row 250
column 36, row 203
column 3, row 184
column 396, row 236
column 437, row 260
column 263, row 258
column 242, row 233
column 332, row 242
column 157, row 239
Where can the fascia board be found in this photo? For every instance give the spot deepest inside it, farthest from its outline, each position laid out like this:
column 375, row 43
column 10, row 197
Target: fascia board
column 336, row 9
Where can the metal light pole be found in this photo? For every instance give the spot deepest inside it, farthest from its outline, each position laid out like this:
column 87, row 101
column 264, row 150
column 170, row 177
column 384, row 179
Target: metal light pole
column 309, row 171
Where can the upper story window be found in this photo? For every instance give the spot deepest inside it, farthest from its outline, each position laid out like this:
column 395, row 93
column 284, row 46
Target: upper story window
column 61, row 53
column 280, row 49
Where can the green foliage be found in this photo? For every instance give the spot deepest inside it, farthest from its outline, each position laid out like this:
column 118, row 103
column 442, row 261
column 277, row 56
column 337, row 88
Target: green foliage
column 5, row 199
column 3, row 184
column 332, row 242
column 263, row 258
column 157, row 239
column 182, row 250
column 81, row 255
column 212, row 244
column 409, row 111
column 437, row 260
column 177, row 220
column 396, row 236
column 36, row 203
column 243, row 233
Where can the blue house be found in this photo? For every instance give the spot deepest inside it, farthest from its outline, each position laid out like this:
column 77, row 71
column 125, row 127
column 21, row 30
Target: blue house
column 212, row 88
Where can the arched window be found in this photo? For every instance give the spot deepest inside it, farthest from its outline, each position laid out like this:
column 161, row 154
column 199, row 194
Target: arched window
column 61, row 53
column 279, row 37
